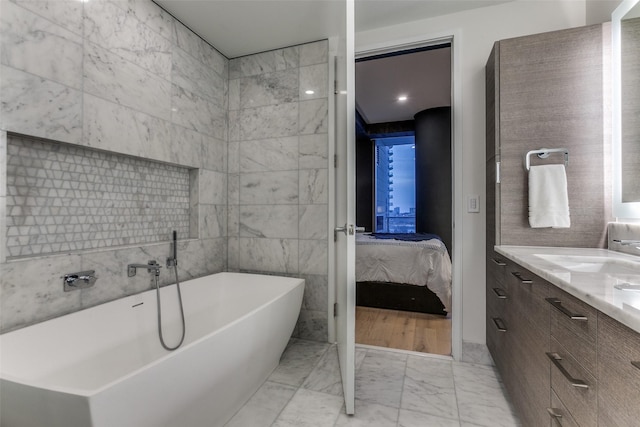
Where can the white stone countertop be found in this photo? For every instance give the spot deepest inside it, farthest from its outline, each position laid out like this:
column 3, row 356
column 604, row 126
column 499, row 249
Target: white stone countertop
column 595, row 288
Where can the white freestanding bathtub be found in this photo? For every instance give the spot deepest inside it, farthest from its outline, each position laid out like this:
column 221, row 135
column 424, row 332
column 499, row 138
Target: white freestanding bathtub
column 105, row 367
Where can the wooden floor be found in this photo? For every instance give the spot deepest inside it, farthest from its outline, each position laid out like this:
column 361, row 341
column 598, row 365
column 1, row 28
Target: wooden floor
column 405, row 330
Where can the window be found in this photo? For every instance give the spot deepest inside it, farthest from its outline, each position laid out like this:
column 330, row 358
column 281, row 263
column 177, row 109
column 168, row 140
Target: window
column 395, row 185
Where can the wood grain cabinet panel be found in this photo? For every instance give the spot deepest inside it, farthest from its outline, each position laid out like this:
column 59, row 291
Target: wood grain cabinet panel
column 519, row 351
column 529, row 296
column 574, row 385
column 532, row 381
column 498, row 301
column 618, row 378
column 576, row 335
column 543, row 90
column 560, row 415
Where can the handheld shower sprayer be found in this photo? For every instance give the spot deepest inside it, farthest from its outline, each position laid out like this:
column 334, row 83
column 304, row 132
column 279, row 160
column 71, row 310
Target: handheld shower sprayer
column 172, row 261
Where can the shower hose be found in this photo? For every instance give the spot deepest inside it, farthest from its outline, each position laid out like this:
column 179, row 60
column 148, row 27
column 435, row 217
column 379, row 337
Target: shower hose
column 175, row 268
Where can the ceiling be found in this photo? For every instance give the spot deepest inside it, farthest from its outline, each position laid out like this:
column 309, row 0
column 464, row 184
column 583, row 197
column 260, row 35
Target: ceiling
column 243, row 27
column 423, row 77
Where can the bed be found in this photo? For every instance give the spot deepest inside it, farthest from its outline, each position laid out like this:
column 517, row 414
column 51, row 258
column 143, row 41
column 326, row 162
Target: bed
column 413, row 274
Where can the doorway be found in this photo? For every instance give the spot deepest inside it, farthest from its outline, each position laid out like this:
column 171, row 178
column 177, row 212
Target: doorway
column 404, row 197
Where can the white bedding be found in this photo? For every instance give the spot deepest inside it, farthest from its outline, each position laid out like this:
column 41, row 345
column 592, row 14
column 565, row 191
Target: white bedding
column 425, row 263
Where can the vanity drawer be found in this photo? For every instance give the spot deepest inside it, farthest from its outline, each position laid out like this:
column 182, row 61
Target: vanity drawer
column 530, row 386
column 498, row 325
column 575, row 325
column 497, row 343
column 560, row 415
column 618, row 374
column 498, row 298
column 574, row 385
column 497, row 303
column 497, row 267
column 528, row 293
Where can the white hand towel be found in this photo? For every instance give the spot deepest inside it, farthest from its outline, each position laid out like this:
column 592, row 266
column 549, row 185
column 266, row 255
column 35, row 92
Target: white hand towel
column 548, row 198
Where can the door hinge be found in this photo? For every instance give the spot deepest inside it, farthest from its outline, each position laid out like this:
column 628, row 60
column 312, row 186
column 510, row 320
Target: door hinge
column 335, row 161
column 497, row 172
column 335, row 309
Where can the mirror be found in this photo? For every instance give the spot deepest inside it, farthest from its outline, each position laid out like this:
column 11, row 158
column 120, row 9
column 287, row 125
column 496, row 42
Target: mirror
column 626, row 109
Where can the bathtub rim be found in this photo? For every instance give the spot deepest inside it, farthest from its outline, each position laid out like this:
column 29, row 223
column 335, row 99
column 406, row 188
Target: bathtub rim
column 168, row 355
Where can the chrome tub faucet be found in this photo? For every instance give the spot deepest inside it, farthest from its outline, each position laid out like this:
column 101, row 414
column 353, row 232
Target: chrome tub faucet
column 151, row 267
column 80, row 280
column 627, row 242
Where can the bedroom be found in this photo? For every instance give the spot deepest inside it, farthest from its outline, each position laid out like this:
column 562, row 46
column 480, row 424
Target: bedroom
column 404, row 198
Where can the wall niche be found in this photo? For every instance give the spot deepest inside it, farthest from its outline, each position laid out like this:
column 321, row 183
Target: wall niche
column 68, row 198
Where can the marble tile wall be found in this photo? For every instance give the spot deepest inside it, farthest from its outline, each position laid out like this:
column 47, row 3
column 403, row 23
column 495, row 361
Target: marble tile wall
column 278, row 172
column 126, row 77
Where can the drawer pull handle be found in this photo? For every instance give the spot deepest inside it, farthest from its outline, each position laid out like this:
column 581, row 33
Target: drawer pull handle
column 555, row 358
column 554, row 413
column 499, row 324
column 499, row 262
column 558, row 304
column 500, row 293
column 636, row 364
column 522, row 280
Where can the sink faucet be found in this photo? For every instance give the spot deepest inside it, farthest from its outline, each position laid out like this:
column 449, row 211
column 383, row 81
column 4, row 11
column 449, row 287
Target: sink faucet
column 151, row 267
column 626, row 242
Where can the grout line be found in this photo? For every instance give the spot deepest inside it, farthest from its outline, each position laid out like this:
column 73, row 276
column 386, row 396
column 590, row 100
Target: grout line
column 404, row 377
column 455, row 392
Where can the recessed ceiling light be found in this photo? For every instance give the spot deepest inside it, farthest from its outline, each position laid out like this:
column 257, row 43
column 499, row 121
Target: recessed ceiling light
column 309, row 92
column 402, row 98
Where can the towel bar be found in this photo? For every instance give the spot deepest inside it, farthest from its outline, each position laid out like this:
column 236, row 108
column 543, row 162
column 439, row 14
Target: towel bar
column 543, row 153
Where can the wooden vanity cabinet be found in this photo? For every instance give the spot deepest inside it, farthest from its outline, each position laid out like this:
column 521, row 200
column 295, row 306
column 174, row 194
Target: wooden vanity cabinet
column 498, row 299
column 545, row 91
column 563, row 362
column 518, row 336
column 618, row 374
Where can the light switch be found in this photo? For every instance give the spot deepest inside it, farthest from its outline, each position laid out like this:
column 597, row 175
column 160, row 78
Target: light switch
column 473, row 203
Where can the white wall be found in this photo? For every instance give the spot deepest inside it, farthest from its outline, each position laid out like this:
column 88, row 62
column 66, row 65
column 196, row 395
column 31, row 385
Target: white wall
column 475, row 32
column 600, row 10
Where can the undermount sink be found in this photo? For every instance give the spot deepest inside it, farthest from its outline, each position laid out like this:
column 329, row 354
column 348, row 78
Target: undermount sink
column 593, row 264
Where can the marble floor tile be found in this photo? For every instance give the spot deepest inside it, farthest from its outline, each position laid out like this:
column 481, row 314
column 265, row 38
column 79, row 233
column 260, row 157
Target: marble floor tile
column 381, row 377
column 369, row 415
column 264, row 406
column 481, row 398
column 476, row 353
column 392, row 390
column 418, row 419
column 326, row 375
column 360, row 355
column 429, row 387
column 310, row 408
column 297, row 362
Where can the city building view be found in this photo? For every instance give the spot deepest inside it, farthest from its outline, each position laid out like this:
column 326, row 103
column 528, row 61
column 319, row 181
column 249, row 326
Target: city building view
column 395, row 185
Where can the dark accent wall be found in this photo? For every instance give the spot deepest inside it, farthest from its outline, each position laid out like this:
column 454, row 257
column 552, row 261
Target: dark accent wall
column 364, row 182
column 433, row 173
